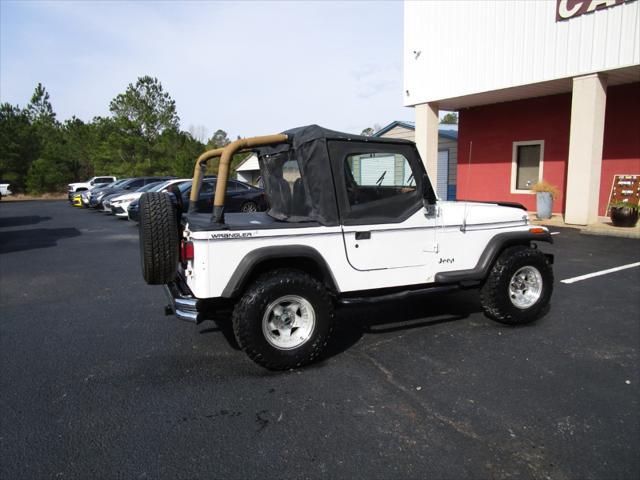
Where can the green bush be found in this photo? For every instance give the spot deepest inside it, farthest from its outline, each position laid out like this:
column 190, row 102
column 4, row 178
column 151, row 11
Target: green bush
column 45, row 176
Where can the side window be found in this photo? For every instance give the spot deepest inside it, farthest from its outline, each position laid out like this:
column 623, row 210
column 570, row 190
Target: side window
column 207, row 188
column 291, row 172
column 377, row 176
column 239, row 187
column 233, row 186
column 526, row 168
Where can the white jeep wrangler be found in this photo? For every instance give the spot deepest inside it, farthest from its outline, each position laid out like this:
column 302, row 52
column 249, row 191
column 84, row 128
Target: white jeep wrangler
column 352, row 219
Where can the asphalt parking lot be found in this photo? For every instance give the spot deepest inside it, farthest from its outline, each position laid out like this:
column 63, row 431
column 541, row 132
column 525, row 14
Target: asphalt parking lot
column 97, row 383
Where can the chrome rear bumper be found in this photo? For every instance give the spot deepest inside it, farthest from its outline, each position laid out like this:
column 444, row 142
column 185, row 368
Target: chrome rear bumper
column 181, row 302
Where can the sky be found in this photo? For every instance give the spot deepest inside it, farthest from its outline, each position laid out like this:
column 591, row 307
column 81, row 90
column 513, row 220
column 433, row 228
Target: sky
column 249, row 68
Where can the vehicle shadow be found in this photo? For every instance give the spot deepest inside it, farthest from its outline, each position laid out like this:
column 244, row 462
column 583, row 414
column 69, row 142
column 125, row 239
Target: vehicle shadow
column 386, row 318
column 22, row 221
column 16, row 241
column 382, row 318
column 224, row 326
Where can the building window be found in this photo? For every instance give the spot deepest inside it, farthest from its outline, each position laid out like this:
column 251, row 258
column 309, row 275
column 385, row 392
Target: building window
column 526, row 166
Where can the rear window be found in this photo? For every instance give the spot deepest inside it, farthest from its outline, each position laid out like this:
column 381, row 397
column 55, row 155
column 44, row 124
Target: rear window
column 149, row 186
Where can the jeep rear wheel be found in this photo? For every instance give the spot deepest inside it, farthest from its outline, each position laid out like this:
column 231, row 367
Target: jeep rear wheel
column 519, row 286
column 158, row 238
column 283, row 320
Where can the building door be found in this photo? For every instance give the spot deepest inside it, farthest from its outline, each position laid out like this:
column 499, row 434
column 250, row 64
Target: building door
column 377, row 171
column 443, row 174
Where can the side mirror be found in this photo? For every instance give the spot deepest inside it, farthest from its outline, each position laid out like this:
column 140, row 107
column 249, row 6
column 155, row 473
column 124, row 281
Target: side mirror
column 92, row 183
column 428, row 196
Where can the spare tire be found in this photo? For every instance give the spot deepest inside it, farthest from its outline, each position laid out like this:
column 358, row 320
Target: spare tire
column 158, row 238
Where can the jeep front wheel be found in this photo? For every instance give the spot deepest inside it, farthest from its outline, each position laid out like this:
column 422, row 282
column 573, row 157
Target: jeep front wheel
column 283, row 320
column 519, row 286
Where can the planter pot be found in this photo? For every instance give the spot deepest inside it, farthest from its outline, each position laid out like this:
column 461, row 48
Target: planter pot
column 544, row 202
column 624, row 217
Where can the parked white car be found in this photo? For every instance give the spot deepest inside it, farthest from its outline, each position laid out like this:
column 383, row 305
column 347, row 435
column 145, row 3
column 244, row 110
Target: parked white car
column 120, row 204
column 85, row 195
column 80, row 186
column 4, row 190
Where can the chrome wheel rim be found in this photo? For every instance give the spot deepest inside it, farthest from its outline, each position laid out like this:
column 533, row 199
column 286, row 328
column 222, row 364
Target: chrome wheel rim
column 525, row 287
column 249, row 207
column 288, row 322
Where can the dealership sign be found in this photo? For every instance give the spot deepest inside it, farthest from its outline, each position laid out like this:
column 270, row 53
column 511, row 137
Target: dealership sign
column 566, row 9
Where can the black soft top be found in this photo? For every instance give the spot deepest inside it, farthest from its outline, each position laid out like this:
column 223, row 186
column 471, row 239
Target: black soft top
column 311, row 197
column 300, row 135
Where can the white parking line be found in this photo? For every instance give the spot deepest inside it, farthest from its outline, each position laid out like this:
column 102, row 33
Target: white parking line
column 555, row 233
column 601, row 272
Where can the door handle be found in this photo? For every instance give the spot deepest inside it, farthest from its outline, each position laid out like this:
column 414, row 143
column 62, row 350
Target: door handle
column 363, row 235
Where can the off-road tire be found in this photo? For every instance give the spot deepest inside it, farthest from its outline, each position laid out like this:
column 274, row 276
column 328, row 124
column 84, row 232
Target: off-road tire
column 248, row 316
column 494, row 294
column 158, row 238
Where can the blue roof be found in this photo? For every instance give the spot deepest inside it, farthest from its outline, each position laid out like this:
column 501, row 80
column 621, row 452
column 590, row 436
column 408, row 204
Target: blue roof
column 449, row 131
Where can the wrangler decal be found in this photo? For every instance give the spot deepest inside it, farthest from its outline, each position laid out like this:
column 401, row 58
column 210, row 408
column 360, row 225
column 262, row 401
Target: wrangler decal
column 216, row 236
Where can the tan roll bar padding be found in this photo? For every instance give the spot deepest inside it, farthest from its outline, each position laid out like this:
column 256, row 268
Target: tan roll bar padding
column 197, row 172
column 227, row 155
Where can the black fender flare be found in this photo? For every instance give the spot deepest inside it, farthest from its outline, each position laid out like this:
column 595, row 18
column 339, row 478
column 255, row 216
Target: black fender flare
column 255, row 258
column 495, row 246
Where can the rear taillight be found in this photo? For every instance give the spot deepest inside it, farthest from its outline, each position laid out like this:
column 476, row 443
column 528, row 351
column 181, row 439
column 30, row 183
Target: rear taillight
column 186, row 251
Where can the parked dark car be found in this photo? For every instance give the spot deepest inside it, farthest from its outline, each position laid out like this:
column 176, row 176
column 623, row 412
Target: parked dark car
column 240, row 197
column 129, row 185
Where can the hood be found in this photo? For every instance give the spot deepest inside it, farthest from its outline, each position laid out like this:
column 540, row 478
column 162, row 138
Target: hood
column 478, row 214
column 127, row 197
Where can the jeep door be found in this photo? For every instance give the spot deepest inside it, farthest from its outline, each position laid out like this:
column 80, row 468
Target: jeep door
column 379, row 190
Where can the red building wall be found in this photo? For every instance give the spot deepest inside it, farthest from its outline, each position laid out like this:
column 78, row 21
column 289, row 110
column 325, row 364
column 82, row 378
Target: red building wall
column 487, row 134
column 621, row 149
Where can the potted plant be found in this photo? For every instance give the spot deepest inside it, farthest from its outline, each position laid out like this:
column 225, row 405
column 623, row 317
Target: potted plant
column 545, row 194
column 623, row 214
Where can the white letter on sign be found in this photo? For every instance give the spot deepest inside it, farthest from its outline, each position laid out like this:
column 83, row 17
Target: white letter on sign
column 596, row 3
column 564, row 12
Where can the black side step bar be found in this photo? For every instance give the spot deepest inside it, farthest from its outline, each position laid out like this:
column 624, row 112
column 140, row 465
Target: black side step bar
column 404, row 294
